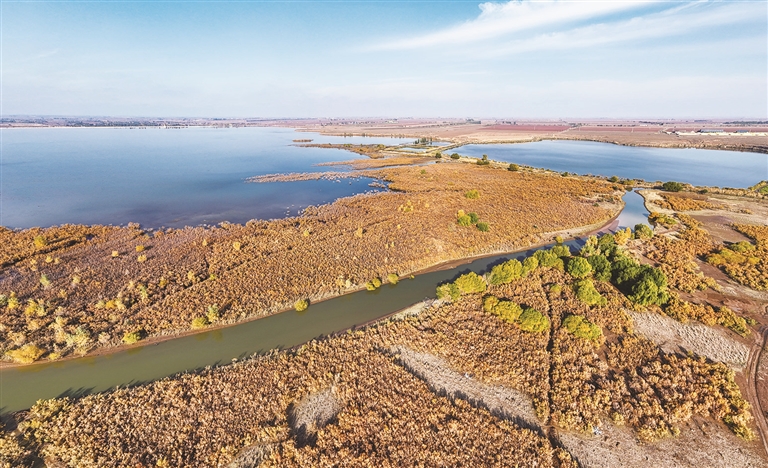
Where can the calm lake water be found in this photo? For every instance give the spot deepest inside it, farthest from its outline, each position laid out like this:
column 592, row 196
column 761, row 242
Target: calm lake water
column 694, row 166
column 163, row 177
column 193, row 176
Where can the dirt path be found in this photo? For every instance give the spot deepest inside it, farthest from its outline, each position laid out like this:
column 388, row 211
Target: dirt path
column 751, row 388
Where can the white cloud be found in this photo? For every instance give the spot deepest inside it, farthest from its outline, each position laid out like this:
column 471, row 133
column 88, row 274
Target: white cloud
column 664, row 24
column 527, row 25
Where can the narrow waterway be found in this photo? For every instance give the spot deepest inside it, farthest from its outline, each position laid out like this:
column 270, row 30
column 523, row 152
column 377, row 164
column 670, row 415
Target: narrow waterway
column 20, row 387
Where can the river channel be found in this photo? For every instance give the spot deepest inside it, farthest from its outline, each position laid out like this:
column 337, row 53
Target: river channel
column 20, row 387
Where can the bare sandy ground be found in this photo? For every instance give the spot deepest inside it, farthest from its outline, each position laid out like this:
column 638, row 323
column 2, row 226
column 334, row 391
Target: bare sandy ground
column 502, row 402
column 675, row 337
column 700, row 444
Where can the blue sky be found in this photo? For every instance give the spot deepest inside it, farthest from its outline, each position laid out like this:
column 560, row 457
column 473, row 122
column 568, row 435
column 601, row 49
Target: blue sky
column 538, row 59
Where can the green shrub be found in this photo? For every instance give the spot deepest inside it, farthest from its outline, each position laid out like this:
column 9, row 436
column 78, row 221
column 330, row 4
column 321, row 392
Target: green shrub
column 601, row 267
column 531, row 320
column 301, row 305
column 438, row 155
column 489, row 302
column 590, row 247
column 484, row 161
column 583, row 328
column 672, row 186
column 472, row 194
column 607, row 245
column 549, row 259
column 212, row 314
column 578, row 267
column 530, row 264
column 197, row 323
column 661, row 218
column 40, row 242
column 373, row 284
column 27, row 354
column 448, row 290
column 742, row 247
column 392, row 278
column 473, row 218
column 642, row 284
column 45, row 282
column 561, row 250
column 642, row 231
column 729, row 319
column 471, row 283
column 463, row 219
column 455, row 156
column 506, row 272
column 513, row 168
column 586, row 292
column 131, row 337
column 507, row 311
column 613, row 179
column 483, row 226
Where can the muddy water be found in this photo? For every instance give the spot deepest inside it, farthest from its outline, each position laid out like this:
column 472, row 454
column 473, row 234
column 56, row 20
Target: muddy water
column 21, row 387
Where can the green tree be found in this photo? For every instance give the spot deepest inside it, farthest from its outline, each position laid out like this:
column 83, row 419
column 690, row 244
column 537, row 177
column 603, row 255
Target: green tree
column 531, row 320
column 455, row 156
column 578, row 267
column 448, row 290
column 530, row 264
column 643, row 231
column 471, row 282
column 601, row 267
column 548, row 258
column 506, row 272
column 513, row 168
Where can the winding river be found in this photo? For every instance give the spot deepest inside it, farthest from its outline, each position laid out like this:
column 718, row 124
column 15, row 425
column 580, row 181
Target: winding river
column 20, row 387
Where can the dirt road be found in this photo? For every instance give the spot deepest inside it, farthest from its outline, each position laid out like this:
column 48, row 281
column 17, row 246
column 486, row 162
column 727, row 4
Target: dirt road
column 753, row 367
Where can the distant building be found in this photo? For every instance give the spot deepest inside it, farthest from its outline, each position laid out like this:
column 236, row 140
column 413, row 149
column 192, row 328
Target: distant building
column 711, row 130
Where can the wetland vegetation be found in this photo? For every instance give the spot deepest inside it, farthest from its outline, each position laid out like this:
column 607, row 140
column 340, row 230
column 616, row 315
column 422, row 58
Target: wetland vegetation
column 535, row 362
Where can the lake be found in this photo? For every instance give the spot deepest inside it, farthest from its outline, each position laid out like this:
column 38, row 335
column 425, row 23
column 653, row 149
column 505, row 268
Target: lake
column 193, row 176
column 164, row 177
column 694, row 166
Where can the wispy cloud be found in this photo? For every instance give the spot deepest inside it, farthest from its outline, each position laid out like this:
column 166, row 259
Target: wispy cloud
column 527, row 25
column 668, row 23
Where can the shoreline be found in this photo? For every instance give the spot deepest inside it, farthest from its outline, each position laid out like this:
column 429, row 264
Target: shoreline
column 443, row 265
